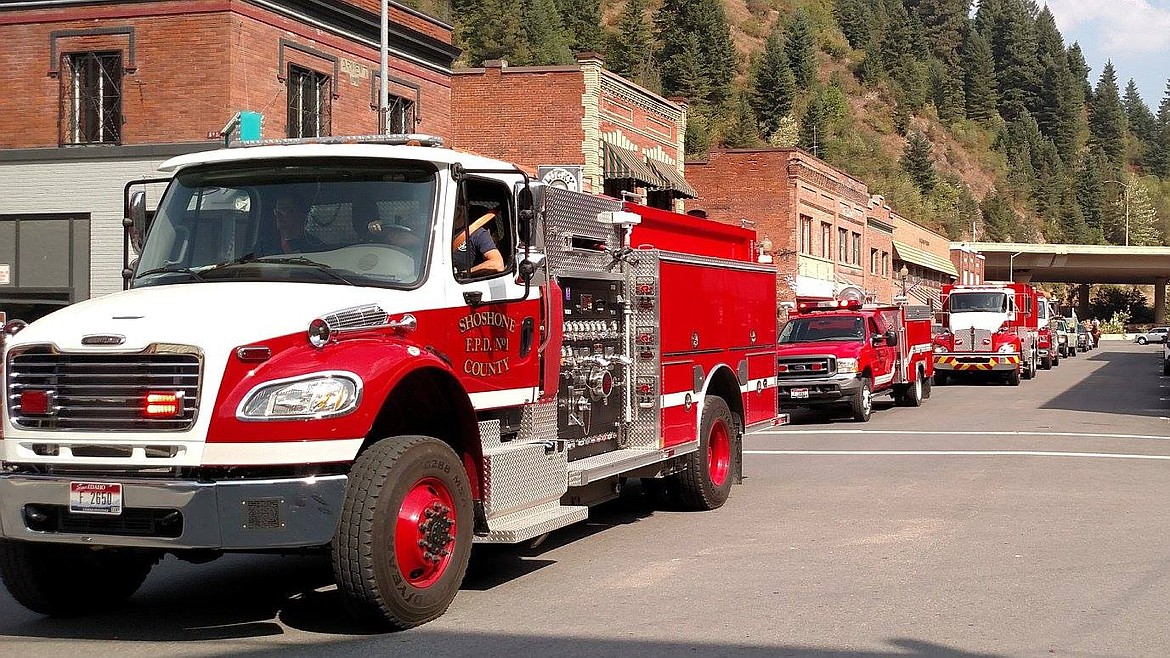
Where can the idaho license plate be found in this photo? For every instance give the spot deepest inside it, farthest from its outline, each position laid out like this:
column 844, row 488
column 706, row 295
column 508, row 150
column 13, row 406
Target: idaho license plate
column 798, row 393
column 95, row 498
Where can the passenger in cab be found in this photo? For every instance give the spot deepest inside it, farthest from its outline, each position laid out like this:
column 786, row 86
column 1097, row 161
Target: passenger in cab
column 473, row 250
column 290, row 213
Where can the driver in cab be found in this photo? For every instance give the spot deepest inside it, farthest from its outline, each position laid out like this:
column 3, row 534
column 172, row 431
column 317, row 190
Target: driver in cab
column 473, row 251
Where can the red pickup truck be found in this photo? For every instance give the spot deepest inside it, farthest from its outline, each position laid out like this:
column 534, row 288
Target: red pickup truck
column 846, row 353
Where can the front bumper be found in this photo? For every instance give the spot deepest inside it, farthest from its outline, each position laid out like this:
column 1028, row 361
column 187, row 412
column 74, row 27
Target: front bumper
column 976, row 362
column 821, row 390
column 178, row 514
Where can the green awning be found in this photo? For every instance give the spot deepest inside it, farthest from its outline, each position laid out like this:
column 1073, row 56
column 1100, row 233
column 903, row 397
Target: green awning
column 618, row 162
column 924, row 258
column 673, row 179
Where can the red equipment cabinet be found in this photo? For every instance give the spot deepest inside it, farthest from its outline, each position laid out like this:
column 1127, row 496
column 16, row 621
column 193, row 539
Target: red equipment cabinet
column 845, row 353
column 990, row 327
column 367, row 396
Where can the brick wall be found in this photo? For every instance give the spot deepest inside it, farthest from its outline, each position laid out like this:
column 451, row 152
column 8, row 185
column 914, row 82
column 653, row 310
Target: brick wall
column 196, row 65
column 530, row 117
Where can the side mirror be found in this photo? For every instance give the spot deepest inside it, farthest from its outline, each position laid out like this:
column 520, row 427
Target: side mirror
column 526, row 214
column 136, row 222
column 892, row 338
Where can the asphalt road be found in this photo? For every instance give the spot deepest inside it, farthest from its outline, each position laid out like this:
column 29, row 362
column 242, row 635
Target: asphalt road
column 993, row 521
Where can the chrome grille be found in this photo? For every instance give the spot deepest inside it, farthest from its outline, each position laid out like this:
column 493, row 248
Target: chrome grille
column 102, row 392
column 804, row 367
column 358, row 317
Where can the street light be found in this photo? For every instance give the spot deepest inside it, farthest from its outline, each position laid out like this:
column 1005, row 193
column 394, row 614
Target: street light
column 1126, row 186
column 1011, row 265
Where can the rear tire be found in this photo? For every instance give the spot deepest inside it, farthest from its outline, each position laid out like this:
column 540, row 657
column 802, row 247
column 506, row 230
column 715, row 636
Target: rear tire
column 404, row 539
column 1142, row 340
column 60, row 580
column 706, row 482
column 862, row 403
column 1046, row 363
column 1013, row 378
column 912, row 396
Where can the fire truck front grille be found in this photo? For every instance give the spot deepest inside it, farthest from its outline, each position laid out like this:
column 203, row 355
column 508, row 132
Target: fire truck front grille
column 973, row 340
column 805, row 367
column 101, row 392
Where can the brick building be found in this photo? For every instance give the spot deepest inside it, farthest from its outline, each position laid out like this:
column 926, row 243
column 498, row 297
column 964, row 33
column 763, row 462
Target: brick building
column 926, row 257
column 99, row 93
column 968, row 263
column 579, row 125
column 818, row 223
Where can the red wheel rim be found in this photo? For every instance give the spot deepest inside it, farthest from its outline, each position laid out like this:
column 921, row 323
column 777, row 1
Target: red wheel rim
column 424, row 537
column 719, row 453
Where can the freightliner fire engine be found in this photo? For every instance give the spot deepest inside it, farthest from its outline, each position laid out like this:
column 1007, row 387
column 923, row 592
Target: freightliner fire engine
column 841, row 352
column 990, row 327
column 367, row 395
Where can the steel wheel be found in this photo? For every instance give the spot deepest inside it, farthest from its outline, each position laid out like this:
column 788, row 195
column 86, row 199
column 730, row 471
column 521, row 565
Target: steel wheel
column 425, row 533
column 719, row 452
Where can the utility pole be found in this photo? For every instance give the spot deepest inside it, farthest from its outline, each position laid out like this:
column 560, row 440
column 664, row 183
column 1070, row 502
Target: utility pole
column 1126, row 187
column 384, row 94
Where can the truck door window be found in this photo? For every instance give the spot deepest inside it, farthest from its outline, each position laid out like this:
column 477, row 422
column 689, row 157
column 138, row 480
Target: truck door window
column 482, row 235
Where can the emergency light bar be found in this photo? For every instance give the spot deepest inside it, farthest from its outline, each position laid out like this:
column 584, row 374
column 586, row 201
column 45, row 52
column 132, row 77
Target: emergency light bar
column 405, row 139
column 835, row 305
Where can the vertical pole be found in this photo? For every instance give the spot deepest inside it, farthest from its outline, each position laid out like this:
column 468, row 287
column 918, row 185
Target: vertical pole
column 1127, row 215
column 384, row 94
column 1160, row 301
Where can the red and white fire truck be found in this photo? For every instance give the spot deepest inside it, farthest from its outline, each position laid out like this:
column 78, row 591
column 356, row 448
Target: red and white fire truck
column 841, row 352
column 1047, row 333
column 371, row 394
column 990, row 327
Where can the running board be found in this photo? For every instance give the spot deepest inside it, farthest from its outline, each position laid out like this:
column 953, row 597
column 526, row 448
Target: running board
column 526, row 524
column 607, row 464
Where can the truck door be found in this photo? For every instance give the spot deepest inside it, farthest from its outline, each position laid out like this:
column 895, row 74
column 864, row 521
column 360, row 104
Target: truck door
column 884, row 354
column 495, row 351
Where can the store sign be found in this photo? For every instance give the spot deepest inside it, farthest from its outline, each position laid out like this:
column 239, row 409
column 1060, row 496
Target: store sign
column 5, row 274
column 567, row 177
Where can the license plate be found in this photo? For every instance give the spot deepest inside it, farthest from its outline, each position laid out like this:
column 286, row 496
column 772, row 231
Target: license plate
column 798, row 393
column 95, row 498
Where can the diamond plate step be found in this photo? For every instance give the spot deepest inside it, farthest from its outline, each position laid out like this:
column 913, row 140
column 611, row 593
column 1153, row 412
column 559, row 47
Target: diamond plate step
column 598, row 467
column 521, row 526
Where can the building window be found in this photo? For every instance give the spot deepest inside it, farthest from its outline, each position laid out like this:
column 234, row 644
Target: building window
column 873, row 261
column 91, row 98
column 856, row 249
column 400, row 115
column 806, row 235
column 826, row 240
column 310, row 100
column 886, row 264
column 842, row 245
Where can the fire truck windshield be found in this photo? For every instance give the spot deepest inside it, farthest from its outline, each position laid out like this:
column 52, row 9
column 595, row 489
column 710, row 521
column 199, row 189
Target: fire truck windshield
column 977, row 302
column 337, row 221
column 814, row 329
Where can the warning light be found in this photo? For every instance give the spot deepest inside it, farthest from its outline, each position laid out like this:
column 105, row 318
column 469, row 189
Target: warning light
column 781, row 368
column 645, row 289
column 645, row 339
column 162, row 405
column 34, row 403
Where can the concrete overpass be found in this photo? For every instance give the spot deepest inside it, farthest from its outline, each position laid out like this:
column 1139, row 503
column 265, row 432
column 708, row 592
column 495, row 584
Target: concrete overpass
column 1078, row 264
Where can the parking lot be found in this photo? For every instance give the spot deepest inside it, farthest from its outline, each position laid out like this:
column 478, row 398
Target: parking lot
column 992, row 521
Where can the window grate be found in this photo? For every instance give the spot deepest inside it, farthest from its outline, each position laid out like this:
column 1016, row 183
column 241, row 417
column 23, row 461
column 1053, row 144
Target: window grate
column 91, row 98
column 310, row 103
column 400, row 115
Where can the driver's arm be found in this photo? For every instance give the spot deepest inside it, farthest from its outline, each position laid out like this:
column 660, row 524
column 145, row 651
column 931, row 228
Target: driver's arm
column 493, row 262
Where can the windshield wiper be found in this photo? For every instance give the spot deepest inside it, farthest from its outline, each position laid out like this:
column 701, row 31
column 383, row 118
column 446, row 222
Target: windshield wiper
column 297, row 260
column 171, row 269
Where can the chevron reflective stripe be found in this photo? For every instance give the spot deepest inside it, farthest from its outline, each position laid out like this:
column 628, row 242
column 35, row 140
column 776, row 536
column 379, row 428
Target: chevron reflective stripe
column 998, row 362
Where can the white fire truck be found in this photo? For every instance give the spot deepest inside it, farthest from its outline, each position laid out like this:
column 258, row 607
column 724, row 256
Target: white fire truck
column 354, row 384
column 991, row 327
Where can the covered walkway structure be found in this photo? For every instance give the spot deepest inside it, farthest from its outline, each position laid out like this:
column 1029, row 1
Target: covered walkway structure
column 1078, row 264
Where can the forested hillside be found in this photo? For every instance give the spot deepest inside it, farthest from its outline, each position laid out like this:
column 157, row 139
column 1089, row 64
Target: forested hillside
column 968, row 116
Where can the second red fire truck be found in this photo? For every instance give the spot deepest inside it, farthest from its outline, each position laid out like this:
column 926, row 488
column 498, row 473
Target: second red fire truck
column 333, row 376
column 843, row 353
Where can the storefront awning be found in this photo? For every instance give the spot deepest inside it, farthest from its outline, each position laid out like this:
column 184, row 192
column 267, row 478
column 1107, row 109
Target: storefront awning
column 924, row 258
column 618, row 162
column 672, row 179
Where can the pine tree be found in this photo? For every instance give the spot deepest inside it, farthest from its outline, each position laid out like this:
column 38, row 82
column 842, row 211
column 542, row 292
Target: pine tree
column 1059, row 110
column 1107, row 117
column 742, row 131
column 631, row 49
column 1080, row 71
column 547, row 41
column 1144, row 230
column 856, row 20
column 948, row 92
column 979, row 82
column 1000, row 222
column 1090, row 196
column 1013, row 47
column 814, row 126
column 582, row 23
column 1141, row 120
column 916, row 161
column 773, row 84
column 686, row 72
column 1164, row 107
column 1159, row 149
column 697, row 141
column 701, row 25
column 498, row 33
column 801, row 49
column 943, row 23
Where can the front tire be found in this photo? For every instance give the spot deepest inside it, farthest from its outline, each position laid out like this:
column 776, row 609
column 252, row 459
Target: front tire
column 1142, row 340
column 59, row 580
column 862, row 403
column 706, row 481
column 404, row 539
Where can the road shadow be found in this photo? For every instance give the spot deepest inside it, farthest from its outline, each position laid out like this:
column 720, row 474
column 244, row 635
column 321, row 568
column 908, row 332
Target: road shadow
column 832, row 415
column 251, row 596
column 1125, row 381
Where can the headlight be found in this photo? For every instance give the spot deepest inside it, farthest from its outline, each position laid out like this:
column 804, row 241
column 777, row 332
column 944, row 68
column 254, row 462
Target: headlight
column 940, row 348
column 846, row 366
column 1008, row 348
column 321, row 395
column 1063, row 338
